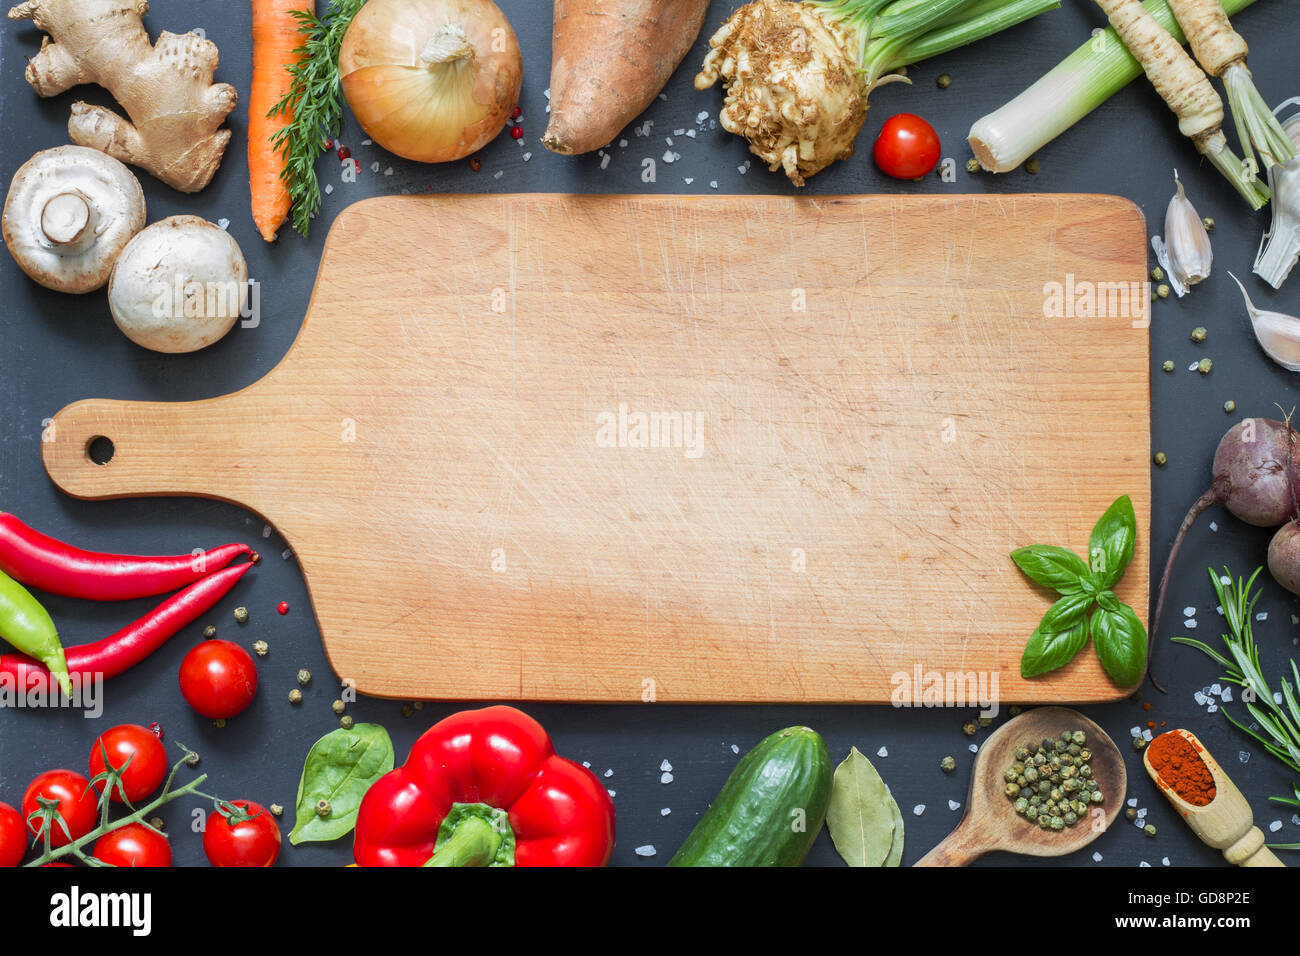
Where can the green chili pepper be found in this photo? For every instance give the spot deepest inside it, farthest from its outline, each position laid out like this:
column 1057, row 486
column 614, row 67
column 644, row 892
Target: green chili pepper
column 28, row 627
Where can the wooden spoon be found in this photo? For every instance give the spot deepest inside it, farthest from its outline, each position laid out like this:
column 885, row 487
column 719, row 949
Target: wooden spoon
column 1226, row 822
column 991, row 822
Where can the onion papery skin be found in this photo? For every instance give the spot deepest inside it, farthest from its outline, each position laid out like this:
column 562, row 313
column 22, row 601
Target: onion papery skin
column 431, row 113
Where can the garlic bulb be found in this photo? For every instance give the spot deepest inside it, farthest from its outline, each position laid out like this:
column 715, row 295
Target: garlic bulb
column 1185, row 251
column 1280, row 248
column 794, row 84
column 1278, row 334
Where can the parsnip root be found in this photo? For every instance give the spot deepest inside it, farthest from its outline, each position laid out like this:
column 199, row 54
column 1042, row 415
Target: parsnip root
column 166, row 88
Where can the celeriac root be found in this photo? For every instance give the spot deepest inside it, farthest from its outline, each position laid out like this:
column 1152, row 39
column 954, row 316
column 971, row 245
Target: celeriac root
column 176, row 111
column 794, row 87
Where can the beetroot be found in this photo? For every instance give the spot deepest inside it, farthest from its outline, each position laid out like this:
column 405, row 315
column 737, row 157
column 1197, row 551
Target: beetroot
column 1284, row 556
column 1256, row 467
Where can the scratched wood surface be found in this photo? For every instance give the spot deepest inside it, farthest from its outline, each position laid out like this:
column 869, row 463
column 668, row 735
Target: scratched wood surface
column 879, row 412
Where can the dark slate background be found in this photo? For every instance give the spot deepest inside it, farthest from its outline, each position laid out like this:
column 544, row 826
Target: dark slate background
column 56, row 349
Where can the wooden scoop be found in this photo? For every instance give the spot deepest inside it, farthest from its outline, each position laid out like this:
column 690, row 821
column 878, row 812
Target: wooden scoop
column 991, row 822
column 1226, row 822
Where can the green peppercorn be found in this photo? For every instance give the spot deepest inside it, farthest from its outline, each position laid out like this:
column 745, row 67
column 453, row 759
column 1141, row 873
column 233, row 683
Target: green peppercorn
column 209, row 632
column 346, row 722
column 1031, row 166
column 1149, row 829
column 219, row 723
column 295, row 696
column 1022, row 754
column 1198, row 334
column 1014, row 711
column 1208, row 223
column 241, row 615
column 1229, row 406
column 1160, row 458
column 1085, row 754
column 1058, row 823
column 985, row 721
column 943, row 80
column 1130, row 814
column 1031, row 774
column 1011, row 790
column 407, row 710
column 1032, row 813
column 972, row 165
column 970, row 728
column 276, row 810
column 338, row 706
column 1168, row 366
column 192, row 759
column 1096, row 797
column 322, row 808
column 1162, row 291
column 1205, row 366
column 158, row 823
column 260, row 648
column 1139, row 744
column 1021, row 805
column 304, row 677
column 1157, row 273
column 948, row 765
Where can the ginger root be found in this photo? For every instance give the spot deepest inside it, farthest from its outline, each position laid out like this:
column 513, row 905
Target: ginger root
column 176, row 110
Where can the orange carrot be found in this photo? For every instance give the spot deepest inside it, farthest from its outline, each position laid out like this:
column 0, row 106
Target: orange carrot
column 275, row 42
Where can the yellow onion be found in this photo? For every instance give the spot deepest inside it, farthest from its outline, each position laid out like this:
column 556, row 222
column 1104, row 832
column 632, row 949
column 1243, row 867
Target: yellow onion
column 431, row 80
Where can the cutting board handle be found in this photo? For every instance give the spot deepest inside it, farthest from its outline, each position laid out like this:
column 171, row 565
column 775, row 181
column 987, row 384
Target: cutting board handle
column 157, row 448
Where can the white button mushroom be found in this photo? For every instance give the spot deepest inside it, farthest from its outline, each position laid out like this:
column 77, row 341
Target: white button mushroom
column 69, row 213
column 179, row 285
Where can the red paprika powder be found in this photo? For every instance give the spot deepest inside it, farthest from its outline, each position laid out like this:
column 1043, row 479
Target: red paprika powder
column 1179, row 766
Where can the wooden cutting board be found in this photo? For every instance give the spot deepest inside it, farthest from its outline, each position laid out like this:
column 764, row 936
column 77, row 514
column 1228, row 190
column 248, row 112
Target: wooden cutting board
column 862, row 408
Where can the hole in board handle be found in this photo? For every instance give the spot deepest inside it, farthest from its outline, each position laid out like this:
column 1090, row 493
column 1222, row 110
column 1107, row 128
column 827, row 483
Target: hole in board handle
column 100, row 450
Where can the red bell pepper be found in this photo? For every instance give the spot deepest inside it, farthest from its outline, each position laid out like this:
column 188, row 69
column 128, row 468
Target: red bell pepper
column 485, row 788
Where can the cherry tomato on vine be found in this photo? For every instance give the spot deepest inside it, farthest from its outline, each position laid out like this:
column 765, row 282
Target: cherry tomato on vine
column 218, row 678
column 133, row 845
column 148, row 760
column 13, row 836
column 907, row 147
column 248, row 836
column 76, row 804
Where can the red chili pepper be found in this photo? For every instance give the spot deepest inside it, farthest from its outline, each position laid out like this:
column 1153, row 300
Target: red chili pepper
column 42, row 562
column 485, row 788
column 132, row 644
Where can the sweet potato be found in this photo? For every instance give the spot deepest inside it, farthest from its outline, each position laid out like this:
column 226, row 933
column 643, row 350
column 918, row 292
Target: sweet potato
column 609, row 60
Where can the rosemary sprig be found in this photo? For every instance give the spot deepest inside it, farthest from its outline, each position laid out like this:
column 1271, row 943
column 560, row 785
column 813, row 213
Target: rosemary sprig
column 315, row 103
column 1279, row 723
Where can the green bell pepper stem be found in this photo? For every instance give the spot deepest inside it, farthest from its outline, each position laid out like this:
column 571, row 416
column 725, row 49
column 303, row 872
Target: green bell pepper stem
column 26, row 625
column 474, row 834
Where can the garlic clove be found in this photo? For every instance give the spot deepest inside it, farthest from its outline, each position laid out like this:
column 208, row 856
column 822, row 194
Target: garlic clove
column 1185, row 252
column 1278, row 334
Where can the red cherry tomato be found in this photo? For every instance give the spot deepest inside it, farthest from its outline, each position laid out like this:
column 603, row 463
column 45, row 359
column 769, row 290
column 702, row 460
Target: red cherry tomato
column 76, row 804
column 133, row 845
column 13, row 836
column 254, row 841
column 907, row 147
column 144, row 774
column 218, row 679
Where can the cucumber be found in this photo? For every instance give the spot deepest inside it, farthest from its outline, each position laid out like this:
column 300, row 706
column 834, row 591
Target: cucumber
column 771, row 808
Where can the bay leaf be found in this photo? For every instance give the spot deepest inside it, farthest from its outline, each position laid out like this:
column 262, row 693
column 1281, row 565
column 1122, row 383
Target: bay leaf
column 859, row 818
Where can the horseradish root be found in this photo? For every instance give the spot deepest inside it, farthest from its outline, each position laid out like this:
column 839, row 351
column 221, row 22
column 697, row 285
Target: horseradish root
column 175, row 110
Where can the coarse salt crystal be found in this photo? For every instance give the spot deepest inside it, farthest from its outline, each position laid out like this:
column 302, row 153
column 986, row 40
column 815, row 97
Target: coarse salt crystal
column 1277, row 697
column 587, row 764
column 266, row 531
column 1164, row 861
column 286, row 553
column 609, row 773
column 1218, row 609
column 374, row 167
column 388, row 170
column 1146, row 734
column 223, row 223
column 329, row 188
column 527, row 156
column 678, row 132
column 1194, row 366
column 1134, row 731
column 1132, row 801
column 974, row 748
column 668, row 140
column 1214, row 526
column 646, row 850
column 713, row 184
column 1275, row 826
column 1142, row 863
column 1212, row 708
column 1262, row 616
column 1226, row 696
column 666, row 778
column 882, row 752
column 1096, row 858
column 1225, row 580
column 665, row 811
column 690, row 134
column 669, row 156
column 604, row 161
column 367, row 142
column 688, row 180
column 1190, row 624
column 954, row 805
column 498, row 174
column 666, row 767
column 1189, row 612
column 1295, row 818
column 702, row 116
column 735, row 749
column 918, row 809
column 1200, row 698
column 611, row 794
column 1243, row 756
column 622, row 144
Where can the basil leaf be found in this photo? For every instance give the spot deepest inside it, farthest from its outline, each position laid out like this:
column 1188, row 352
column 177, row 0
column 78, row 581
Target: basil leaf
column 1121, row 643
column 1052, row 567
column 1059, row 636
column 1108, row 600
column 1110, row 547
column 340, row 768
column 860, row 818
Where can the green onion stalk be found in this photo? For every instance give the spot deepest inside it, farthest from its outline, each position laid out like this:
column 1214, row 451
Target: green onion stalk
column 798, row 73
column 1079, row 84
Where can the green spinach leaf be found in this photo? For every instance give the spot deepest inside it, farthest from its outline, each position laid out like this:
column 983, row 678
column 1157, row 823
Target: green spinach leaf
column 340, row 768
